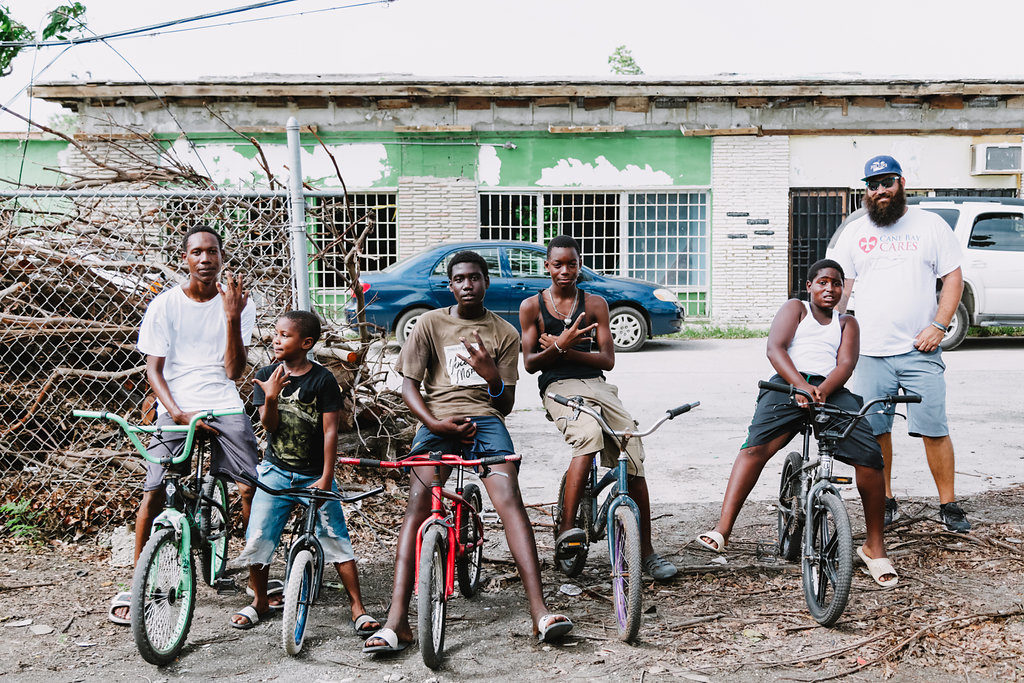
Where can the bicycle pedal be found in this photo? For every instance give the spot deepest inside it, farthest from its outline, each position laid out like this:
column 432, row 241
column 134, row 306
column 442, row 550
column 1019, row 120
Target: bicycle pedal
column 225, row 586
column 841, row 480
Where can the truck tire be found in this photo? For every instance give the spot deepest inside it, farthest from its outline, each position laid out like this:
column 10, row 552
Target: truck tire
column 957, row 331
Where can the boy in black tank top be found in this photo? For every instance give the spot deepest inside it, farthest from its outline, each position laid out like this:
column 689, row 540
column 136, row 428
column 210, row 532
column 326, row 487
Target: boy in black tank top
column 566, row 336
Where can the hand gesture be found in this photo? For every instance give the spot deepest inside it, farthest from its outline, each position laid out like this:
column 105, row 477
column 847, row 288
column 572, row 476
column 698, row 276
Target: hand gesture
column 479, row 359
column 462, row 428
column 233, row 295
column 273, row 385
column 928, row 339
column 572, row 334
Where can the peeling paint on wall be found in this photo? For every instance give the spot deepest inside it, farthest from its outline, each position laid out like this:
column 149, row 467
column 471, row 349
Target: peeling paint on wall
column 488, row 166
column 362, row 165
column 571, row 172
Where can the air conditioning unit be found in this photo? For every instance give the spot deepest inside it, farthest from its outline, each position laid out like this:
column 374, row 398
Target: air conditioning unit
column 998, row 158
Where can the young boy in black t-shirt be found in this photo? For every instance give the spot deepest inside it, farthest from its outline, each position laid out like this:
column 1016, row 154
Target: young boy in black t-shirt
column 298, row 402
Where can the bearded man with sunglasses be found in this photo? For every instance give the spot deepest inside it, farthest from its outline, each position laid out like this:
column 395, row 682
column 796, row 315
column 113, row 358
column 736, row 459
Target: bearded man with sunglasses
column 895, row 253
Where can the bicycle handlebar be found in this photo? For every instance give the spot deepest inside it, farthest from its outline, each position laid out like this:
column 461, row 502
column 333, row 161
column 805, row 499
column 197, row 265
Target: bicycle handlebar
column 311, row 493
column 426, row 461
column 577, row 403
column 133, row 430
column 830, row 409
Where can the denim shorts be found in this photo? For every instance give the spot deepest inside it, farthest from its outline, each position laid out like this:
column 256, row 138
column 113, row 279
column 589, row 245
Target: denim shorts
column 491, row 438
column 916, row 373
column 270, row 513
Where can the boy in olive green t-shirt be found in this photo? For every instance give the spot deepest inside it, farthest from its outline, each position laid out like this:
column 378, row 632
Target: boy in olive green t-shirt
column 459, row 368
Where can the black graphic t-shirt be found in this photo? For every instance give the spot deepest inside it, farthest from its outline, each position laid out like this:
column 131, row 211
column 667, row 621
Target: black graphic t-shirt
column 298, row 443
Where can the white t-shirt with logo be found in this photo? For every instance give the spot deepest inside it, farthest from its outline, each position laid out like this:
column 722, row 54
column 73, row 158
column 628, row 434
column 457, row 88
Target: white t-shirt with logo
column 192, row 338
column 895, row 270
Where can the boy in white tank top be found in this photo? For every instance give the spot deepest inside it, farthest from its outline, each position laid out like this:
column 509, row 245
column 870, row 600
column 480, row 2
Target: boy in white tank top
column 813, row 348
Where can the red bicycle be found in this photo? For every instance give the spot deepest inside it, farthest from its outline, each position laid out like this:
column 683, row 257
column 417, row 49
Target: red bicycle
column 449, row 542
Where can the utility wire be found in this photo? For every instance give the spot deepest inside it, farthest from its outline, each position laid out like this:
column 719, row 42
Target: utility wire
column 95, row 38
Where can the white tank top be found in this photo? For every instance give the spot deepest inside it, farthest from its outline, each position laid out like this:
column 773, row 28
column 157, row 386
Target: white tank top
column 815, row 346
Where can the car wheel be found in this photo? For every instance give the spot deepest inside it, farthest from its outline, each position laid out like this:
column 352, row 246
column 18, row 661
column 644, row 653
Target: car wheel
column 629, row 329
column 957, row 330
column 405, row 323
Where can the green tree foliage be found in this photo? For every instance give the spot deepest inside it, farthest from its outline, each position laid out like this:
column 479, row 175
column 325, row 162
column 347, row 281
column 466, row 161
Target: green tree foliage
column 63, row 22
column 621, row 62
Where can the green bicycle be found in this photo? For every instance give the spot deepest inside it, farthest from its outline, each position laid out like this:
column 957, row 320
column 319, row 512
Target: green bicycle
column 195, row 516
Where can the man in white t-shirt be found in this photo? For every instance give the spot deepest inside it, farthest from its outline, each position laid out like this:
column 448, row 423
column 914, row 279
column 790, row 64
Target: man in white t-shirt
column 895, row 254
column 194, row 337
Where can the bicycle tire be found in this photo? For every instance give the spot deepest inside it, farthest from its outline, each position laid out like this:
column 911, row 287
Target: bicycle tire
column 431, row 596
column 828, row 569
column 573, row 566
column 627, row 573
column 469, row 565
column 214, row 529
column 790, row 523
column 163, row 598
column 298, row 599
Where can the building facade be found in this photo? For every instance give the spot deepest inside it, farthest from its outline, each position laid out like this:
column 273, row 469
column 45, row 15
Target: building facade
column 723, row 191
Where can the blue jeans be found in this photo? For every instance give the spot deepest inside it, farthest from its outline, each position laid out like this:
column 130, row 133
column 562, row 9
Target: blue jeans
column 270, row 513
column 491, row 438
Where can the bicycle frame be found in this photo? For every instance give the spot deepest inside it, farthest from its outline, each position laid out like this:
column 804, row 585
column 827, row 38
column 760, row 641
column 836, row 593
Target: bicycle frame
column 620, row 473
column 816, row 475
column 439, row 514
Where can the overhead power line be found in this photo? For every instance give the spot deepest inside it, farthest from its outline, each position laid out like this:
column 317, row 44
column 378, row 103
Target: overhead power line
column 144, row 29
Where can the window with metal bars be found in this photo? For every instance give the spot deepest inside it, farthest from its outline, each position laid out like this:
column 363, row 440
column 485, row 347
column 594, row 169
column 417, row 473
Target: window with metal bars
column 659, row 236
column 332, row 234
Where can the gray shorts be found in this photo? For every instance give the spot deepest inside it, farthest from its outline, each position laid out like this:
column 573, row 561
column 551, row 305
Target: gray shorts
column 234, row 449
column 914, row 372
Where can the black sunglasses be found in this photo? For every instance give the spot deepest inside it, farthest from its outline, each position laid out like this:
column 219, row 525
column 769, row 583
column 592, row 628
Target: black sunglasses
column 884, row 182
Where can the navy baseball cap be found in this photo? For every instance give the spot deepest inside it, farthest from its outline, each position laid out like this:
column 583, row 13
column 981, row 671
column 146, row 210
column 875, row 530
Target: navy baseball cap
column 881, row 165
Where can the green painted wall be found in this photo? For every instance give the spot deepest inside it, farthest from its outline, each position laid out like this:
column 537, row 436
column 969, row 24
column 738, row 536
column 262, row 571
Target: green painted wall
column 40, row 156
column 654, row 158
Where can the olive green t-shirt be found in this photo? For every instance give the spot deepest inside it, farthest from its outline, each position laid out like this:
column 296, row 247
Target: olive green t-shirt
column 451, row 388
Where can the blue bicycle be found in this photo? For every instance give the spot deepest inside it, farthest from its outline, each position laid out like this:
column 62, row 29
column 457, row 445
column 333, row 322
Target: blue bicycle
column 617, row 512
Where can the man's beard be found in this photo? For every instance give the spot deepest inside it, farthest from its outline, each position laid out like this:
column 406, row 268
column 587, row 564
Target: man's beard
column 892, row 212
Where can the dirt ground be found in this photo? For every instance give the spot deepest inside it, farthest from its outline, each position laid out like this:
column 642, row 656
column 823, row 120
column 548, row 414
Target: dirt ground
column 958, row 613
column 744, row 619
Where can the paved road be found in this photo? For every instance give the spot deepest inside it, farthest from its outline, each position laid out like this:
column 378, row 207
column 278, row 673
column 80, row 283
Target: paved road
column 689, row 459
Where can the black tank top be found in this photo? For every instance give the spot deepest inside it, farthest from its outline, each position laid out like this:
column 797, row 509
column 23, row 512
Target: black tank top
column 565, row 368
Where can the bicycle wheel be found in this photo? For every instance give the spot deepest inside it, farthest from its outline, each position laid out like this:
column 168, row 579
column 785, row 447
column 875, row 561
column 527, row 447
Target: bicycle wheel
column 828, row 568
column 574, row 565
column 791, row 526
column 163, row 598
column 298, row 598
column 469, row 564
column 627, row 573
column 213, row 529
column 432, row 601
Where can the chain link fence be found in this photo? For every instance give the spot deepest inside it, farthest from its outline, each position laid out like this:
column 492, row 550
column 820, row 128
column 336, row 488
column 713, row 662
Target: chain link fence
column 77, row 270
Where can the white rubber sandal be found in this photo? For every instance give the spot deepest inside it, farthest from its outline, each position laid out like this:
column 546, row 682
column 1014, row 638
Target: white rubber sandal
column 714, row 536
column 879, row 567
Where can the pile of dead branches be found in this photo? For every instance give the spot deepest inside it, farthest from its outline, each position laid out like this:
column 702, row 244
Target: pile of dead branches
column 77, row 271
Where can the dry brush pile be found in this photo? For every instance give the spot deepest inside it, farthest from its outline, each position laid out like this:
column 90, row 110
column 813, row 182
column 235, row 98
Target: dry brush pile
column 77, row 270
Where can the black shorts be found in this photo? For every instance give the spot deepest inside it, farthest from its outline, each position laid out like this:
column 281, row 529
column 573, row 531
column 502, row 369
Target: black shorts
column 776, row 415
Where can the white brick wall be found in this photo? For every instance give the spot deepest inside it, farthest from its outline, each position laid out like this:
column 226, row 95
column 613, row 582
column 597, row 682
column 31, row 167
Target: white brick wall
column 749, row 175
column 435, row 210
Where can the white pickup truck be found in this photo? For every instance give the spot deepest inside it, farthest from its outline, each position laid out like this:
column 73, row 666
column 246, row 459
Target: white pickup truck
column 990, row 230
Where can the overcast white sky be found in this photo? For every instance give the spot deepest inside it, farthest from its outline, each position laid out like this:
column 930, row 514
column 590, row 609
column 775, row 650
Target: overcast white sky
column 538, row 38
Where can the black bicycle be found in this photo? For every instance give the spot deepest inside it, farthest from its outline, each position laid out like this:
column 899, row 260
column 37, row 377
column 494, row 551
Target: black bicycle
column 305, row 558
column 807, row 492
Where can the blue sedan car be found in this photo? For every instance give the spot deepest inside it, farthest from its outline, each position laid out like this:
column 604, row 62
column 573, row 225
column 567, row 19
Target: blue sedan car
column 396, row 296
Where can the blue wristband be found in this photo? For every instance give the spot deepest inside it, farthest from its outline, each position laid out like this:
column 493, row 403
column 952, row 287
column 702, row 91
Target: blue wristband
column 500, row 391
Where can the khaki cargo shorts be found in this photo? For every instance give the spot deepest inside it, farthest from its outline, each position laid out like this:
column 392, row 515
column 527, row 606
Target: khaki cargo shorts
column 583, row 433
